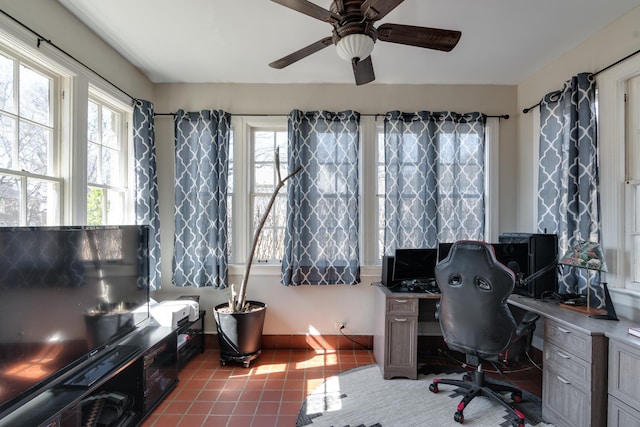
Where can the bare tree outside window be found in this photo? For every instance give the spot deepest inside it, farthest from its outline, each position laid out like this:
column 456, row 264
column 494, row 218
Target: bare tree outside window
column 265, row 141
column 29, row 187
column 105, row 160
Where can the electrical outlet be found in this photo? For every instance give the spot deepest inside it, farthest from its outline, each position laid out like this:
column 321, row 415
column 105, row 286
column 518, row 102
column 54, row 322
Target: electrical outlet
column 340, row 325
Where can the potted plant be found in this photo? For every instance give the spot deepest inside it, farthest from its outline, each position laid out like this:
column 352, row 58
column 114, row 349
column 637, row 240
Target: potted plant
column 239, row 322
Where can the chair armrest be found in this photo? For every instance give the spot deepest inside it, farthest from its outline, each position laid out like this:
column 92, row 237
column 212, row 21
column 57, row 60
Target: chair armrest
column 527, row 324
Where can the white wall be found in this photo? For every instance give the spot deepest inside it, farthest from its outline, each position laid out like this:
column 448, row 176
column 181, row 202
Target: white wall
column 306, row 309
column 53, row 22
column 599, row 51
column 301, row 309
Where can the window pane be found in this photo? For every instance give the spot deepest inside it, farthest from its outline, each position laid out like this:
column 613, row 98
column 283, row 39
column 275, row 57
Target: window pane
column 9, row 201
column 7, row 135
column 94, row 206
column 279, row 211
column 93, row 154
column 34, row 148
column 6, row 84
column 259, row 206
column 263, row 146
column 265, row 245
column 38, row 198
column 635, row 251
column 109, row 128
column 115, row 207
column 92, row 122
column 282, row 141
column 264, row 177
column 110, row 167
column 35, row 96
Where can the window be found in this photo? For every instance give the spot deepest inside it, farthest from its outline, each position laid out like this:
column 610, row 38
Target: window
column 466, row 162
column 106, row 164
column 64, row 154
column 251, row 181
column 264, row 180
column 29, row 171
column 633, row 181
column 619, row 126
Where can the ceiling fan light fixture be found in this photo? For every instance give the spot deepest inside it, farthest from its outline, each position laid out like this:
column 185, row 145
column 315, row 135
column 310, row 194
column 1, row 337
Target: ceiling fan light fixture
column 354, row 46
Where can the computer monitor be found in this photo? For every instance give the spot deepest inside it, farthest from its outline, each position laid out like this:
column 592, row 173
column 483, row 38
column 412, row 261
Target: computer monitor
column 414, row 264
column 443, row 250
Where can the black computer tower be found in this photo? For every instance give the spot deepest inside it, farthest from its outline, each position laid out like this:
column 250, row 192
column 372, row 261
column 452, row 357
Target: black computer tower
column 542, row 251
column 387, row 270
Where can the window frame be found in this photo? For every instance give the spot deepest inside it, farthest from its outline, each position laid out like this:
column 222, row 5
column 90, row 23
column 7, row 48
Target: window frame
column 125, row 160
column 53, row 176
column 253, row 193
column 615, row 195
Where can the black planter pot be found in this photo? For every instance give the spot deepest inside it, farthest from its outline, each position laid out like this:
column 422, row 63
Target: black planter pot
column 240, row 334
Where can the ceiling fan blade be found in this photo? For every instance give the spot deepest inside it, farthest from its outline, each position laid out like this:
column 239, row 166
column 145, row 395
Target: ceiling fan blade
column 430, row 38
column 378, row 9
column 363, row 71
column 310, row 9
column 302, row 53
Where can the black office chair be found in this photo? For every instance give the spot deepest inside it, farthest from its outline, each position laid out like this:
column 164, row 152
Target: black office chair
column 476, row 320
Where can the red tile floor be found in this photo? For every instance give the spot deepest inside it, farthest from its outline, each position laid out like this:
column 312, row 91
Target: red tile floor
column 269, row 392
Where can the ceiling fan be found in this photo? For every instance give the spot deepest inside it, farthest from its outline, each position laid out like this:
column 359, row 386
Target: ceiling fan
column 354, row 34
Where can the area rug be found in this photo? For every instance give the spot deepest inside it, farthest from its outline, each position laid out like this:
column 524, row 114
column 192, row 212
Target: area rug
column 362, row 398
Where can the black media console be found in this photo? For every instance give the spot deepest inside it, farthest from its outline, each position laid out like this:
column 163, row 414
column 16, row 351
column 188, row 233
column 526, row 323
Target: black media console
column 120, row 388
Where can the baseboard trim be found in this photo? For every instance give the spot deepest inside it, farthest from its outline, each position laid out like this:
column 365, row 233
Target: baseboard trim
column 307, row 342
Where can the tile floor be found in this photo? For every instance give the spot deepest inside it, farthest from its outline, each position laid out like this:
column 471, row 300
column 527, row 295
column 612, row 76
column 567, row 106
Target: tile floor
column 269, row 392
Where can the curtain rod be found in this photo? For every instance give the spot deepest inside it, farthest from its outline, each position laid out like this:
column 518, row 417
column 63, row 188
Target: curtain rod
column 376, row 115
column 52, row 44
column 526, row 110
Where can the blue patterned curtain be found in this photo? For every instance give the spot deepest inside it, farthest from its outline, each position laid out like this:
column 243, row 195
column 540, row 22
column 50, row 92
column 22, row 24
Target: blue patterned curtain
column 202, row 166
column 434, row 178
column 321, row 236
column 146, row 179
column 568, row 200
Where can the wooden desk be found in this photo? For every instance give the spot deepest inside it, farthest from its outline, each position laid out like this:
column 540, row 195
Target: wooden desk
column 395, row 341
column 574, row 382
column 576, row 363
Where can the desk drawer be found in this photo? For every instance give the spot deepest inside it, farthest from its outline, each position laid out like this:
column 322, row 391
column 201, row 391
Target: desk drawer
column 563, row 404
column 574, row 369
column 624, row 372
column 570, row 340
column 407, row 306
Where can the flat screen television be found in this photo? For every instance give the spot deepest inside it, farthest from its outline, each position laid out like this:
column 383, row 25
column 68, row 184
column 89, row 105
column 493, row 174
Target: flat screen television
column 414, row 264
column 66, row 295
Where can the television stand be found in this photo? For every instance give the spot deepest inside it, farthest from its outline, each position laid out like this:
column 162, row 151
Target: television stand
column 112, row 360
column 124, row 390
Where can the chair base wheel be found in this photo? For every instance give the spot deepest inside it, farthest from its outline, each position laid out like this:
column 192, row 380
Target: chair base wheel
column 458, row 417
column 433, row 388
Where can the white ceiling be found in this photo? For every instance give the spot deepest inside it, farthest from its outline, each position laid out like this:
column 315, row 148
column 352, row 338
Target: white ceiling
column 503, row 41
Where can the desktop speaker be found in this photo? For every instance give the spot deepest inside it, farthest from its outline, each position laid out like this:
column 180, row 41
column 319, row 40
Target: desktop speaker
column 387, row 270
column 542, row 251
